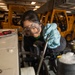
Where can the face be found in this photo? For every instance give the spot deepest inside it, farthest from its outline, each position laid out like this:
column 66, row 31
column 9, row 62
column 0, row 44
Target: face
column 31, row 28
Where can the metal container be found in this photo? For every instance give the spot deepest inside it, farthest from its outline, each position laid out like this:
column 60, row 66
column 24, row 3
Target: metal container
column 65, row 69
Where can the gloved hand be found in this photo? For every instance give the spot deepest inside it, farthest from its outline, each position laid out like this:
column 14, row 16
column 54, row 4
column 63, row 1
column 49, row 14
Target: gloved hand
column 50, row 31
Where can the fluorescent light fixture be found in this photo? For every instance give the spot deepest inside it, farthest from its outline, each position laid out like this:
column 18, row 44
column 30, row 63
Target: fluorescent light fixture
column 5, row 9
column 33, row 3
column 2, row 4
column 72, row 7
column 34, row 9
column 68, row 11
column 37, row 6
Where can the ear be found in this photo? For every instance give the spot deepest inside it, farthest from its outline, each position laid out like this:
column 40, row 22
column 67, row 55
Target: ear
column 40, row 24
column 40, row 21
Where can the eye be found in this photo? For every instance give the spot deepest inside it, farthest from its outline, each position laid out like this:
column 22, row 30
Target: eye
column 25, row 27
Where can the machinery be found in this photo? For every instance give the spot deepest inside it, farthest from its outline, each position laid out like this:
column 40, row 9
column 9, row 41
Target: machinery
column 71, row 22
column 9, row 60
column 9, row 54
column 65, row 23
column 14, row 18
column 43, row 16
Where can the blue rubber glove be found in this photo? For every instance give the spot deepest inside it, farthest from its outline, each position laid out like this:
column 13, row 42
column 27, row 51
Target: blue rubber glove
column 50, row 31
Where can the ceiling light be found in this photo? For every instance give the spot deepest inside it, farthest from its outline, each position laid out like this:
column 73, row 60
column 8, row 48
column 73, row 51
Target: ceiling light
column 37, row 6
column 33, row 3
column 68, row 11
column 34, row 9
column 2, row 4
column 6, row 9
column 72, row 7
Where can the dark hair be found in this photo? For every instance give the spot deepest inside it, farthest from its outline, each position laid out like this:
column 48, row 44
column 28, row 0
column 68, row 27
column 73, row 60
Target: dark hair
column 31, row 16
